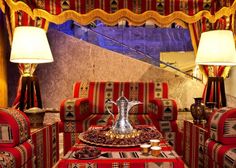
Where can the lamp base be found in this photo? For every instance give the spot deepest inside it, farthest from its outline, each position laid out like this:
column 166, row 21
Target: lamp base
column 29, row 69
column 216, row 84
column 30, row 85
column 36, row 116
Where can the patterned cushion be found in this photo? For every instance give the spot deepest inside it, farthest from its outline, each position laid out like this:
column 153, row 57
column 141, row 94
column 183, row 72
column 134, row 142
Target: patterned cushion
column 74, row 109
column 208, row 162
column 223, row 155
column 163, row 109
column 17, row 156
column 102, row 120
column 140, row 119
column 99, row 92
column 166, row 126
column 80, row 126
column 14, row 127
column 223, row 125
column 70, row 139
column 175, row 140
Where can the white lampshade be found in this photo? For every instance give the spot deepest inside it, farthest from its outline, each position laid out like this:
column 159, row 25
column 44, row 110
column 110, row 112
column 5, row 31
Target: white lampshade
column 216, row 47
column 30, row 45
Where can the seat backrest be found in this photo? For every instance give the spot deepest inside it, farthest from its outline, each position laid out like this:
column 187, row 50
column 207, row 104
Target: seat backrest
column 14, row 127
column 99, row 92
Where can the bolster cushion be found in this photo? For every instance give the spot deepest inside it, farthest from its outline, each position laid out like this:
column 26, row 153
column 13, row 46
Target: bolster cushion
column 18, row 156
column 223, row 126
column 74, row 109
column 163, row 109
column 223, row 155
column 14, row 127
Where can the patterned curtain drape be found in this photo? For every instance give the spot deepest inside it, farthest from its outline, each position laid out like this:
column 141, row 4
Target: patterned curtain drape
column 3, row 65
column 224, row 23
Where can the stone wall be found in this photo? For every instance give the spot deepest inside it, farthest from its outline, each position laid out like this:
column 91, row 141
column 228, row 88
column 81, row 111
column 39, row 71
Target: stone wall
column 76, row 60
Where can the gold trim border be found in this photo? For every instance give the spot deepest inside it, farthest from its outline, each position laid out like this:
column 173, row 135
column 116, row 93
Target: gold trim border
column 122, row 14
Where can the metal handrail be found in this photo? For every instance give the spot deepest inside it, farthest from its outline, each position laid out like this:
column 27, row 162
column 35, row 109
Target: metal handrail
column 142, row 53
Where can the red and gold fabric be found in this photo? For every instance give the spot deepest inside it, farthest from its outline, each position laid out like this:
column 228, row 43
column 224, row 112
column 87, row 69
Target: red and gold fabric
column 222, row 126
column 171, row 133
column 80, row 126
column 124, row 157
column 94, row 96
column 74, row 109
column 99, row 92
column 70, row 138
column 194, row 139
column 163, row 109
column 14, row 127
column 71, row 128
column 221, row 155
column 46, row 145
column 164, row 7
column 19, row 156
column 110, row 12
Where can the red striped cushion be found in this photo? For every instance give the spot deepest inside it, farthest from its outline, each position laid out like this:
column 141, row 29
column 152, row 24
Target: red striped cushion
column 14, row 127
column 99, row 92
column 140, row 119
column 80, row 126
column 224, row 155
column 163, row 109
column 223, row 125
column 74, row 109
column 17, row 156
column 70, row 139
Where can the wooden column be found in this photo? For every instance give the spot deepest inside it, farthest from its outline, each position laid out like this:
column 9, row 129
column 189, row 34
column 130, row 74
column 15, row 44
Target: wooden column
column 3, row 62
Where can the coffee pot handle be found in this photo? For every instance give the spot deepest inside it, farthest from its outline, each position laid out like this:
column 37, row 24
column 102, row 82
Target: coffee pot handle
column 108, row 102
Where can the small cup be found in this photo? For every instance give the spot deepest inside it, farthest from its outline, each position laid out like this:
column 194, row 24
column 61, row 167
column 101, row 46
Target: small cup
column 155, row 150
column 145, row 148
column 155, row 142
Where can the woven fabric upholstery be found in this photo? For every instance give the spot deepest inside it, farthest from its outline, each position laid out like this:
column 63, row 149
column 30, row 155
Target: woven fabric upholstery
column 156, row 108
column 170, row 131
column 99, row 92
column 80, row 126
column 222, row 155
column 14, row 127
column 163, row 109
column 166, row 126
column 74, row 109
column 101, row 120
column 71, row 139
column 223, row 126
column 16, row 157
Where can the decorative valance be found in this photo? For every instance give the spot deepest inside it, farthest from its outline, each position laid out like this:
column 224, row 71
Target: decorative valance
column 137, row 12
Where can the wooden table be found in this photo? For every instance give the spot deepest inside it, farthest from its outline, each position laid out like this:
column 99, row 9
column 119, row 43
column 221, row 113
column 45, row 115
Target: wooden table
column 124, row 157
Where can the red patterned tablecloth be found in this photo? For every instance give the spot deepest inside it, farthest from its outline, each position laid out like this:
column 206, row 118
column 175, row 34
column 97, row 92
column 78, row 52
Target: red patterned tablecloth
column 124, row 157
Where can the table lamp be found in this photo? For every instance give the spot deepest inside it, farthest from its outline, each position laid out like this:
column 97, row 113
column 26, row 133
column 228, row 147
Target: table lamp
column 216, row 48
column 30, row 47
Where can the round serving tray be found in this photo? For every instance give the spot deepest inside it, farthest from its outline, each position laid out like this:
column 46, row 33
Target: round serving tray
column 145, row 136
column 81, row 137
column 86, row 158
